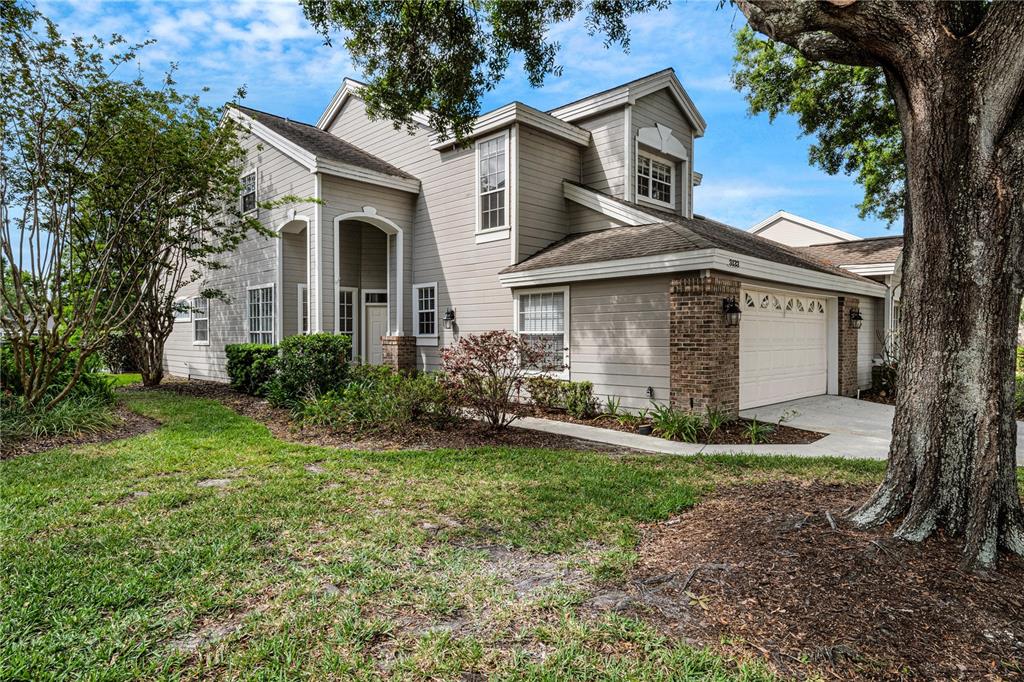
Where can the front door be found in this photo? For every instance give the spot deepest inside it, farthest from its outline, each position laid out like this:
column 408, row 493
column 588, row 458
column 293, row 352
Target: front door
column 376, row 327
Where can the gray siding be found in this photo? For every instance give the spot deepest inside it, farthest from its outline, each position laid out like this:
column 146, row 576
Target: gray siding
column 544, row 161
column 660, row 107
column 603, row 166
column 253, row 263
column 295, row 254
column 583, row 219
column 620, row 337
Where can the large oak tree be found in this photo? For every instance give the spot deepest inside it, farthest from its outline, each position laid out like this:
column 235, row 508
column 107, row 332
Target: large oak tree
column 956, row 74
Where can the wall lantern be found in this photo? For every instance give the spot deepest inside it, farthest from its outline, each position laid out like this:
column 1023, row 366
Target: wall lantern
column 449, row 318
column 855, row 318
column 731, row 310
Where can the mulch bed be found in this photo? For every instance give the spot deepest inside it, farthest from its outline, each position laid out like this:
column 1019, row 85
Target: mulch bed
column 882, row 397
column 130, row 424
column 760, row 571
column 731, row 433
column 465, row 433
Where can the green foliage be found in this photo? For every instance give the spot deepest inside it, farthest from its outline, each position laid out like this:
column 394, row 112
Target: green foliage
column 1020, row 359
column 250, row 366
column 309, row 365
column 675, row 424
column 758, row 432
column 546, row 392
column 116, row 353
column 443, row 57
column 579, row 399
column 1018, row 396
column 714, row 419
column 91, row 384
column 847, row 108
column 84, row 412
column 612, row 406
column 377, row 397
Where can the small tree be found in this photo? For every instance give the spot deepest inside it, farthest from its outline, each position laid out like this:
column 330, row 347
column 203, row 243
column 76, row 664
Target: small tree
column 486, row 372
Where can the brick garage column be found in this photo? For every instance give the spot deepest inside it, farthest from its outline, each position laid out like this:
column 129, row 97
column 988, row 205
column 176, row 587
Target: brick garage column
column 704, row 353
column 399, row 352
column 847, row 347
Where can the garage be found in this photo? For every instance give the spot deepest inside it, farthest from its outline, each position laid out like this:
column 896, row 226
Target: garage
column 783, row 347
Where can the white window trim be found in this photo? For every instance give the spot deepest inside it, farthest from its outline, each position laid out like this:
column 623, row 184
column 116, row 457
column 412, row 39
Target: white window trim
column 182, row 317
column 640, row 198
column 254, row 171
column 356, row 307
column 300, row 290
column 425, row 339
column 505, row 231
column 566, row 372
column 194, row 319
column 273, row 321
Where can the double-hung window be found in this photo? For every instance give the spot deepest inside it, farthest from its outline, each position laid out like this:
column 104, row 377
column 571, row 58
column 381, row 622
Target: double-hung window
column 200, row 322
column 492, row 171
column 347, row 297
column 424, row 298
column 654, row 179
column 182, row 310
column 260, row 308
column 543, row 319
column 248, row 195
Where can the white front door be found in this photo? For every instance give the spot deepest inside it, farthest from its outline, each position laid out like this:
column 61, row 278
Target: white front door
column 376, row 327
column 783, row 347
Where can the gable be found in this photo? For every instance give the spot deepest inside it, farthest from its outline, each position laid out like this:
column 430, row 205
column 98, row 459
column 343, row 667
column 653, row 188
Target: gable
column 793, row 230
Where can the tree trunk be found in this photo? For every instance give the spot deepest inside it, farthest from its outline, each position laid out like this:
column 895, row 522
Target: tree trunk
column 952, row 462
column 148, row 338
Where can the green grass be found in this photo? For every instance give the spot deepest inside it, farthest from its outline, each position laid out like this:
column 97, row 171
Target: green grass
column 124, row 379
column 99, row 583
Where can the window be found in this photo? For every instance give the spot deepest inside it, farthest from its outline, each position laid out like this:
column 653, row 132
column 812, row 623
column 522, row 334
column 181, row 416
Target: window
column 491, row 158
column 303, row 303
column 654, row 179
column 182, row 310
column 261, row 314
column 249, row 192
column 424, row 297
column 347, row 315
column 379, row 297
column 542, row 318
column 200, row 322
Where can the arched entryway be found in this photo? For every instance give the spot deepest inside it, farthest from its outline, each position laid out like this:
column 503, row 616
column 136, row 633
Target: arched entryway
column 291, row 298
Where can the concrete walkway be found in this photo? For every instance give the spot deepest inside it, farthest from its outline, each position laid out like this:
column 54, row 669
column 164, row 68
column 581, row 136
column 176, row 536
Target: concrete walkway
column 857, row 429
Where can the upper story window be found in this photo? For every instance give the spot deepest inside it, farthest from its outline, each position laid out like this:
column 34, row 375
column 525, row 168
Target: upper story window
column 248, row 196
column 492, row 171
column 655, row 179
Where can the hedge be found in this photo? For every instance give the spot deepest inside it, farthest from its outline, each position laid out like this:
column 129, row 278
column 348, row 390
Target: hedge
column 251, row 366
column 308, row 366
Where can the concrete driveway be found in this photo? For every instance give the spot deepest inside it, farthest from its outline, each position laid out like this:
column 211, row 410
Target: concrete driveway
column 857, row 428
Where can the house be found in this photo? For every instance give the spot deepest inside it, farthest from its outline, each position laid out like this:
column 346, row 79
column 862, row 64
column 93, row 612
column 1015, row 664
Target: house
column 876, row 258
column 573, row 226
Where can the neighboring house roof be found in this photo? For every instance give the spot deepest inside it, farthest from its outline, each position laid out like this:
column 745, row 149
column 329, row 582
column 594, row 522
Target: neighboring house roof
column 323, row 145
column 800, row 220
column 861, row 252
column 667, row 235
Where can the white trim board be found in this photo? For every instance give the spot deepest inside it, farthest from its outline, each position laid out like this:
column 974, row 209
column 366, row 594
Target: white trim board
column 601, row 203
column 868, row 269
column 517, row 112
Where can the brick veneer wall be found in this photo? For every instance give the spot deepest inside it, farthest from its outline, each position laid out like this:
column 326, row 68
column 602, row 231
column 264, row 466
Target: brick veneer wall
column 704, row 353
column 399, row 352
column 847, row 347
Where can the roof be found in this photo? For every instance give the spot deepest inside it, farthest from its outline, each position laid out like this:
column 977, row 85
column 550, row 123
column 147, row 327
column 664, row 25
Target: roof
column 322, row 144
column 806, row 222
column 861, row 252
column 668, row 233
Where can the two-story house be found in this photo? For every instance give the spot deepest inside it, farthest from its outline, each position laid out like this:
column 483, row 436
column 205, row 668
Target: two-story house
column 573, row 226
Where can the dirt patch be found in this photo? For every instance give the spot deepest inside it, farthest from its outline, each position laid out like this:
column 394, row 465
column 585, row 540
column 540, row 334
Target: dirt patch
column 464, row 434
column 129, row 424
column 763, row 567
column 730, row 433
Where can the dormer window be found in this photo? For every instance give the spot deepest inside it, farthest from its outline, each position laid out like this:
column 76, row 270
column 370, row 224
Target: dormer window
column 655, row 179
column 492, row 171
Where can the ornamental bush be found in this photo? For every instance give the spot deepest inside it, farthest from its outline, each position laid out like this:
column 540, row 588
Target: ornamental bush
column 308, row 366
column 251, row 366
column 579, row 399
column 546, row 393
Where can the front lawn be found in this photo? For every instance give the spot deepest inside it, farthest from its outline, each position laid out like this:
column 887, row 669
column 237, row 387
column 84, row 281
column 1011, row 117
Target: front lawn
column 210, row 549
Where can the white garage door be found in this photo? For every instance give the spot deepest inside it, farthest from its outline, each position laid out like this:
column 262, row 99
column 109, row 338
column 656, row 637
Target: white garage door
column 869, row 344
column 783, row 347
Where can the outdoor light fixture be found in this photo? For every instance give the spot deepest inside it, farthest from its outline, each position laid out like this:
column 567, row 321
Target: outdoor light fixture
column 449, row 318
column 731, row 310
column 855, row 318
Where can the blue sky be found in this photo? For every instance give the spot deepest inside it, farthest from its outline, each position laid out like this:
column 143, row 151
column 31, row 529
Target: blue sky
column 751, row 168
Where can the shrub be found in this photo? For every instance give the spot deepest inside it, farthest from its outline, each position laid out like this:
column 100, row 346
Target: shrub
column 714, row 419
column 758, row 432
column 308, row 366
column 250, row 366
column 116, row 354
column 486, row 372
column 1018, row 396
column 1020, row 359
column 675, row 425
column 579, row 399
column 90, row 384
column 81, row 413
column 545, row 392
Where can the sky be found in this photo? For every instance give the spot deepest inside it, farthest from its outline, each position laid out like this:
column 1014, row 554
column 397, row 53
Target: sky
column 752, row 168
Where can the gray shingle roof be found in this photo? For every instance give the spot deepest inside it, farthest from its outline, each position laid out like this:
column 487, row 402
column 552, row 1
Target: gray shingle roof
column 322, row 144
column 673, row 234
column 861, row 252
